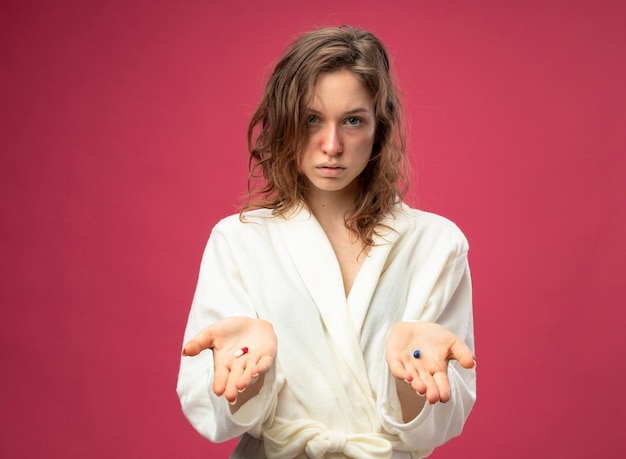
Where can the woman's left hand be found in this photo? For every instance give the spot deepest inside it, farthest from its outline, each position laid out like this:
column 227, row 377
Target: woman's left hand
column 427, row 374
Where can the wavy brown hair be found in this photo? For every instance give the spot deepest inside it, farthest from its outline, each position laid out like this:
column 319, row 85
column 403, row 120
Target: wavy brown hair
column 278, row 130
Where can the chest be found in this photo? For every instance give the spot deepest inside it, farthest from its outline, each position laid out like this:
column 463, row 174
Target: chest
column 350, row 255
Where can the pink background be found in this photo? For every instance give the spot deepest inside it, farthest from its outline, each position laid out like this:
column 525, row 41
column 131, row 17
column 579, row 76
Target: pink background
column 123, row 142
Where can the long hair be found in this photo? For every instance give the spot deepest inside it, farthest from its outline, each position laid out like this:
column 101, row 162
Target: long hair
column 277, row 131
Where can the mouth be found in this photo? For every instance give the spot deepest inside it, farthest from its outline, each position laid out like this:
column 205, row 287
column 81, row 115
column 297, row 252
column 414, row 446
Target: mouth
column 328, row 170
column 330, row 166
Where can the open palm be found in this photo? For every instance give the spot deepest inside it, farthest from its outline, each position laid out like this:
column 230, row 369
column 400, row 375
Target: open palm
column 428, row 374
column 234, row 374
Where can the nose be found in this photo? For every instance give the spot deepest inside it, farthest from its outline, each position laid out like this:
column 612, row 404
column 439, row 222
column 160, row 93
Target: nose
column 331, row 141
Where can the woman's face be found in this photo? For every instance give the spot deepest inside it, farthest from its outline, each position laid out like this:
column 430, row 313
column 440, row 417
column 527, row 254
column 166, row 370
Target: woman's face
column 341, row 131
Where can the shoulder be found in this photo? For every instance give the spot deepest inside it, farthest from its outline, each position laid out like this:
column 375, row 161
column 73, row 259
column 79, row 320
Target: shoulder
column 428, row 228
column 258, row 216
column 259, row 221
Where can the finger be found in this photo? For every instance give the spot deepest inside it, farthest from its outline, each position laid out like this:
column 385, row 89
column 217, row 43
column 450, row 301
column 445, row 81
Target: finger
column 398, row 370
column 248, row 375
column 419, row 386
column 461, row 353
column 443, row 385
column 231, row 391
column 220, row 379
column 262, row 366
column 245, row 381
column 200, row 342
column 432, row 391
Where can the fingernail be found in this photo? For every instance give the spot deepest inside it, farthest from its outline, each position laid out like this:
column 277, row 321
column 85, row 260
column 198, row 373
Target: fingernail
column 241, row 390
column 233, row 402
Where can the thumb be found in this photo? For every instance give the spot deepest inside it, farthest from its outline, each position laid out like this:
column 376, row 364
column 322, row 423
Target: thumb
column 461, row 353
column 200, row 342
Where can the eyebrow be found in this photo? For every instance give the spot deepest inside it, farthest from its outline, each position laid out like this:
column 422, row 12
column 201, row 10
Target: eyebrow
column 353, row 111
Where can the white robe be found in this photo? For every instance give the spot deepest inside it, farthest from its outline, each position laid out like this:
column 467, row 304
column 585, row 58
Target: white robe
column 330, row 392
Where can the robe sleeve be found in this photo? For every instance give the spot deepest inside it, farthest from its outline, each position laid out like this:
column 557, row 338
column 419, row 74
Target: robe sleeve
column 220, row 293
column 450, row 305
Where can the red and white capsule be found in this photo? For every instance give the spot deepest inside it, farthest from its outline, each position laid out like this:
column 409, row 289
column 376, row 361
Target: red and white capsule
column 242, row 351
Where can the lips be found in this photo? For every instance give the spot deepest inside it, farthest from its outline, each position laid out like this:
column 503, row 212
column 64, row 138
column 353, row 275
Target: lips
column 328, row 170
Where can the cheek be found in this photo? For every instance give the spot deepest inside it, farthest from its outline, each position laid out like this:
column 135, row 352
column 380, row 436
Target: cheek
column 304, row 157
column 364, row 155
column 308, row 146
column 366, row 146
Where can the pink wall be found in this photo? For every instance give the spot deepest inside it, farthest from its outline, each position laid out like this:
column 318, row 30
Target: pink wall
column 123, row 142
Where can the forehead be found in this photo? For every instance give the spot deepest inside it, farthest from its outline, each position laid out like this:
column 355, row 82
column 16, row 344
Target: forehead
column 340, row 89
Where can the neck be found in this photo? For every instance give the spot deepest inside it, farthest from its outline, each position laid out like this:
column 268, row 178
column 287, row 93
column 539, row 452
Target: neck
column 330, row 206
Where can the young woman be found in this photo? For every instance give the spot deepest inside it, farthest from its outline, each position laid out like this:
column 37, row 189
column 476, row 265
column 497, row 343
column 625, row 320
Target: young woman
column 330, row 319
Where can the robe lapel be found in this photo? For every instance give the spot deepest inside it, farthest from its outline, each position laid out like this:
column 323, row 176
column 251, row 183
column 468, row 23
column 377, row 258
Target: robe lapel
column 319, row 270
column 372, row 269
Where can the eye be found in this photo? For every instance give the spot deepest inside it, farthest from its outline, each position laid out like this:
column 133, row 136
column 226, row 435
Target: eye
column 353, row 121
column 313, row 119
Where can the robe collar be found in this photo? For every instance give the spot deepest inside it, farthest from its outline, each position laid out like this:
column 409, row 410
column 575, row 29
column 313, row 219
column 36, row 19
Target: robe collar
column 318, row 267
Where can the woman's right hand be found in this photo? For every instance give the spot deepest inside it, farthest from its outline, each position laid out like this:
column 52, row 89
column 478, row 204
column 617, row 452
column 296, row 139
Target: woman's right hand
column 235, row 374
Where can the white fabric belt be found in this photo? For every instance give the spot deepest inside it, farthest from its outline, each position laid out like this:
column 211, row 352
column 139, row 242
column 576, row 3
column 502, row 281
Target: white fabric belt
column 289, row 439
